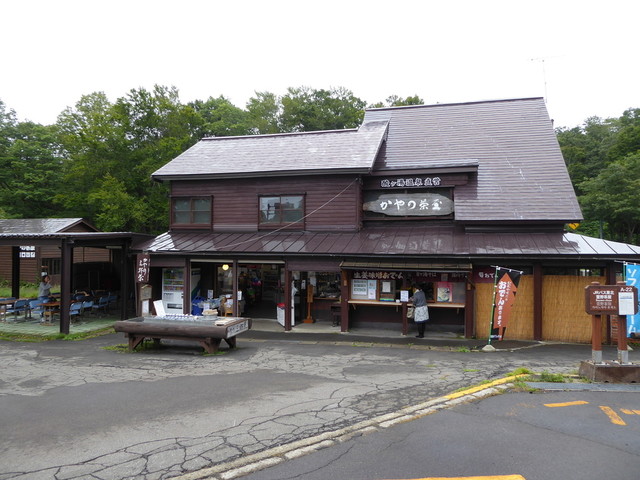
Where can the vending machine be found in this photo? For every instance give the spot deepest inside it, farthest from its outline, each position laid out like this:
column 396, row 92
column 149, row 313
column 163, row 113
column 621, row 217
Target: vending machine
column 173, row 290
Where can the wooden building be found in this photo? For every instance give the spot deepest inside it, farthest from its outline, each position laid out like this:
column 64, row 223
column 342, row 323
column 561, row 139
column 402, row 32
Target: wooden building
column 34, row 260
column 75, row 255
column 338, row 224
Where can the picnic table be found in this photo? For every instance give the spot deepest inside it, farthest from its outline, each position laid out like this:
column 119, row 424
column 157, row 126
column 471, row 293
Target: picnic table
column 209, row 331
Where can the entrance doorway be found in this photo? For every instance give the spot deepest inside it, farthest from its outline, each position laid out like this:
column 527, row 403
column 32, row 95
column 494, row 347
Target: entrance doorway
column 260, row 285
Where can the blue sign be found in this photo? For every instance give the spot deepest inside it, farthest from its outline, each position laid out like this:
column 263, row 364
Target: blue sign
column 632, row 275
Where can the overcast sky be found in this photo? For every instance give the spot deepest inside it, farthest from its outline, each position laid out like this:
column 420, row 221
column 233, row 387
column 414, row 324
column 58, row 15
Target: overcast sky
column 582, row 56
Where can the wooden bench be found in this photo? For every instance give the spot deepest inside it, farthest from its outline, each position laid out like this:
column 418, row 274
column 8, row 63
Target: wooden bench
column 209, row 333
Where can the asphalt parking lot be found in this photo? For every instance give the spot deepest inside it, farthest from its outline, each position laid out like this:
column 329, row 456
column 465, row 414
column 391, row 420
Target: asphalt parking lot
column 80, row 410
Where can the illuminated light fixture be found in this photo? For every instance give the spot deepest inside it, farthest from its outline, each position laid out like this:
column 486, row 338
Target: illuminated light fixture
column 225, row 267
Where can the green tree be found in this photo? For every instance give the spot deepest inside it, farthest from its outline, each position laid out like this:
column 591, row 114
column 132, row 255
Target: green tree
column 613, row 196
column 94, row 144
column 396, row 101
column 31, row 173
column 586, row 149
column 29, row 168
column 305, row 109
column 219, row 117
column 264, row 111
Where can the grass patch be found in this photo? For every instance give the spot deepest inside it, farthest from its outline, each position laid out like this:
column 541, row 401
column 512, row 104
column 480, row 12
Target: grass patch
column 27, row 338
column 468, row 370
column 520, row 385
column 463, row 349
column 519, row 371
column 551, row 377
column 120, row 348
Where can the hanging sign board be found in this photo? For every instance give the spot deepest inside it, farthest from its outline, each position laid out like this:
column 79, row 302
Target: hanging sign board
column 143, row 264
column 611, row 300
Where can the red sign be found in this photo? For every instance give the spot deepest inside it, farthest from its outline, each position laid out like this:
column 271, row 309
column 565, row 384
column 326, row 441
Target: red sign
column 504, row 298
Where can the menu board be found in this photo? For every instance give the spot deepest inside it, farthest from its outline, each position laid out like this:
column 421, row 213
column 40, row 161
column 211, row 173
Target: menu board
column 364, row 289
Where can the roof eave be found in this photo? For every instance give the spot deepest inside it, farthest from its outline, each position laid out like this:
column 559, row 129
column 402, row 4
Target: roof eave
column 279, row 173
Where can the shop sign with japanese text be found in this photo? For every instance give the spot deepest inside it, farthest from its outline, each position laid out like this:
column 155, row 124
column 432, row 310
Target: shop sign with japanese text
column 403, row 182
column 143, row 264
column 378, row 275
column 410, row 204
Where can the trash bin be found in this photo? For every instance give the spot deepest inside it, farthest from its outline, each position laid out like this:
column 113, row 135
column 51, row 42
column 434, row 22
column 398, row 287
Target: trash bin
column 197, row 305
column 280, row 313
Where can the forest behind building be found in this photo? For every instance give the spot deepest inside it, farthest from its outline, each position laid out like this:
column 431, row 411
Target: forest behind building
column 96, row 161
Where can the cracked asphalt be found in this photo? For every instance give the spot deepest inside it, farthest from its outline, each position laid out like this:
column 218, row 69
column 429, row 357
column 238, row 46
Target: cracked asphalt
column 77, row 411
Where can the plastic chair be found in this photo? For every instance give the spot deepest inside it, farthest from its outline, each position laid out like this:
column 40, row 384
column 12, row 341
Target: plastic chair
column 101, row 304
column 87, row 306
column 75, row 309
column 35, row 306
column 112, row 299
column 19, row 306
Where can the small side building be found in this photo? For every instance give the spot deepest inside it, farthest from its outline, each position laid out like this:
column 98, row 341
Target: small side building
column 38, row 259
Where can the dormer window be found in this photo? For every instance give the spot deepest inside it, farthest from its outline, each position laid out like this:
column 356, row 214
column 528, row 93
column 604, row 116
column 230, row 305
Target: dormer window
column 191, row 211
column 282, row 211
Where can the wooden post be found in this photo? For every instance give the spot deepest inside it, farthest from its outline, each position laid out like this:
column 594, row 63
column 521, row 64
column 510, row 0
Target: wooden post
column 344, row 301
column 65, row 284
column 623, row 351
column 288, row 299
column 537, row 301
column 309, row 318
column 596, row 338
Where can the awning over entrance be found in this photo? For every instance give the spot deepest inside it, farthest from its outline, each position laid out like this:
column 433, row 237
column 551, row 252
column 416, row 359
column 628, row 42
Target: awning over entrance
column 440, row 243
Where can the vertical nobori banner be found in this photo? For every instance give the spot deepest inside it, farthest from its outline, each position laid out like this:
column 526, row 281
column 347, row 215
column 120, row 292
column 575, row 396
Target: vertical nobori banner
column 632, row 278
column 504, row 296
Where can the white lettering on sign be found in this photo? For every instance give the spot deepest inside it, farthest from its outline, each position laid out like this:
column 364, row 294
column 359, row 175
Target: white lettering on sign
column 409, row 204
column 411, row 182
column 378, row 275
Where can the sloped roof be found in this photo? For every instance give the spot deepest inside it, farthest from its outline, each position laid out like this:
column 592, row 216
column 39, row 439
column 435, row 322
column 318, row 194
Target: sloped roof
column 423, row 241
column 340, row 151
column 43, row 225
column 521, row 172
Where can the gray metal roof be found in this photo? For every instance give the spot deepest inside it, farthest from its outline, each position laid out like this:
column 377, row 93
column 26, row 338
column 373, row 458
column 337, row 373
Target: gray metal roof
column 41, row 225
column 424, row 241
column 340, row 151
column 521, row 172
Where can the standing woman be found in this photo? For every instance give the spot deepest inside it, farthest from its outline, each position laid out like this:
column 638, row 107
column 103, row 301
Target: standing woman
column 421, row 311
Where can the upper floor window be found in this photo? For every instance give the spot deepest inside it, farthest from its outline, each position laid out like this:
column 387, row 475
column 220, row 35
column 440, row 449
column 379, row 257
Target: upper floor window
column 283, row 210
column 191, row 211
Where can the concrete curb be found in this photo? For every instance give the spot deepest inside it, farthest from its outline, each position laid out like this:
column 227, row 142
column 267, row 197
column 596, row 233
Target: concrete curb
column 276, row 455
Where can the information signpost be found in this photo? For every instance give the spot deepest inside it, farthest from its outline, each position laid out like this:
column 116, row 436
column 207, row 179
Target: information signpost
column 617, row 300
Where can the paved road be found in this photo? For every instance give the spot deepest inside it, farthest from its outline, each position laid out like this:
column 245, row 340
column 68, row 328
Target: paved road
column 551, row 436
column 73, row 410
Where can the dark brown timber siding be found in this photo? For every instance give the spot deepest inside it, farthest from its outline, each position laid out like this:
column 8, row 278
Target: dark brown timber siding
column 331, row 202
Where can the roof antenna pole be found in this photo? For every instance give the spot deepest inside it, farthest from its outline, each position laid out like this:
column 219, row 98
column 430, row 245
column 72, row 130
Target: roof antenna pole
column 544, row 76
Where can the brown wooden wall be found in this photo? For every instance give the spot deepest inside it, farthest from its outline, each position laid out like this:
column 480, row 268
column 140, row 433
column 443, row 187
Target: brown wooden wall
column 563, row 310
column 235, row 202
column 30, row 268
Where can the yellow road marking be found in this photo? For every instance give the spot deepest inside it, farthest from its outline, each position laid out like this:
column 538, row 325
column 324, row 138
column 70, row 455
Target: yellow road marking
column 484, row 477
column 629, row 411
column 613, row 416
column 471, row 390
column 565, row 404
